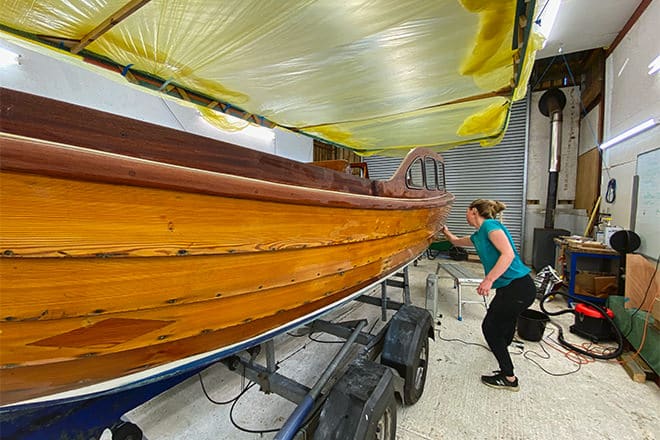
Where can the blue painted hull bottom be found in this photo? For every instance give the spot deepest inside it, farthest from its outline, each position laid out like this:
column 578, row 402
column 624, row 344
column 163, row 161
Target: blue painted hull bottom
column 83, row 419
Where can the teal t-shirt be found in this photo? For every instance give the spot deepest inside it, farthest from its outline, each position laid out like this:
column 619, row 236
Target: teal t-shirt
column 489, row 254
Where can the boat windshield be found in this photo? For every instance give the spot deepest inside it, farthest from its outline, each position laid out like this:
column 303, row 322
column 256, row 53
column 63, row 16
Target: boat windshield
column 426, row 174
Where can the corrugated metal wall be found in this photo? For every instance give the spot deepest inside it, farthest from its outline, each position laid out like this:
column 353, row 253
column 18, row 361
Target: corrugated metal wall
column 474, row 172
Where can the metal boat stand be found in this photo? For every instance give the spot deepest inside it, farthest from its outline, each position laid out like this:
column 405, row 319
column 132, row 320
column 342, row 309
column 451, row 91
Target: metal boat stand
column 399, row 280
column 355, row 396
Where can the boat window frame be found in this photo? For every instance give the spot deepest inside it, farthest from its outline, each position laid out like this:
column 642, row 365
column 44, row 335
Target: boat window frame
column 438, row 172
column 440, row 169
column 409, row 177
column 428, row 174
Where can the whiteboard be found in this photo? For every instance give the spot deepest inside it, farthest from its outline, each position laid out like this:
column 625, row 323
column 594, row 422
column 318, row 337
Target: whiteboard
column 647, row 216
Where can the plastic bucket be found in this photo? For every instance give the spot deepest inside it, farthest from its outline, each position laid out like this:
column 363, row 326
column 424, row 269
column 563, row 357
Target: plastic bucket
column 531, row 324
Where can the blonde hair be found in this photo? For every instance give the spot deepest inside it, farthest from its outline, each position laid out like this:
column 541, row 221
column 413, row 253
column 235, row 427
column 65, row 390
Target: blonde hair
column 488, row 208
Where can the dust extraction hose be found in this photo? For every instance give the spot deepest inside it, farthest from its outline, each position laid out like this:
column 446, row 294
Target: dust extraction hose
column 562, row 341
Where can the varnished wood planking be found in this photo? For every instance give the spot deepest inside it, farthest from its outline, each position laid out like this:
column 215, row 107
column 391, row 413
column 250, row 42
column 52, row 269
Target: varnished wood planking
column 54, row 288
column 23, row 114
column 213, row 313
column 17, row 352
column 44, row 216
column 41, row 378
column 165, row 244
column 103, row 334
column 40, row 157
column 186, row 320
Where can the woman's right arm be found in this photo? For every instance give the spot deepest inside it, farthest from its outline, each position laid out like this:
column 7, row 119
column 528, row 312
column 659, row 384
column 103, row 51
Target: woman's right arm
column 456, row 241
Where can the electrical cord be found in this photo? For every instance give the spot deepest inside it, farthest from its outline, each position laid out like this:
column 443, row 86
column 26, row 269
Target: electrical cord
column 527, row 353
column 215, row 402
column 244, row 389
column 546, row 356
column 233, row 402
column 610, row 195
column 463, row 342
column 242, row 428
column 603, row 313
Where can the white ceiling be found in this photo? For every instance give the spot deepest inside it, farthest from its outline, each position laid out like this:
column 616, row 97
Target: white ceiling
column 586, row 24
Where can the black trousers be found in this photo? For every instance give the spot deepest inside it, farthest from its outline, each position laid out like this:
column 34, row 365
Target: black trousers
column 499, row 324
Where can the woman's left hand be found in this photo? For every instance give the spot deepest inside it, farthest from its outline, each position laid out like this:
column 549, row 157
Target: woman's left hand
column 484, row 288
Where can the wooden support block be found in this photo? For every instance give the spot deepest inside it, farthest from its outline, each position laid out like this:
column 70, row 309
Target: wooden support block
column 646, row 368
column 632, row 368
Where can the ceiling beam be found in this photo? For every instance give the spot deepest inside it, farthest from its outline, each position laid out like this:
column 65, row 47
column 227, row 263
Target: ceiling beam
column 109, row 23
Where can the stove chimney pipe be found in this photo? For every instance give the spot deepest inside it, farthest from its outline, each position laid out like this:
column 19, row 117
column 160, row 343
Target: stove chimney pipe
column 551, row 105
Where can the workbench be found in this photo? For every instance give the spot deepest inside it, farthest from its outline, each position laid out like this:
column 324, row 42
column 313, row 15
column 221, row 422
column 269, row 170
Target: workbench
column 573, row 258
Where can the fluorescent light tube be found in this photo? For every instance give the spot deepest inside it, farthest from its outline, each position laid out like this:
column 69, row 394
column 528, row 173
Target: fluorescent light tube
column 650, row 123
column 654, row 67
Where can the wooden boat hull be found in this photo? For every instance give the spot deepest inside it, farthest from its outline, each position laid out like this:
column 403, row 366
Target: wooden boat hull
column 135, row 269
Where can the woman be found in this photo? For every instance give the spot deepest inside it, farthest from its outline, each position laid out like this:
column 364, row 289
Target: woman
column 506, row 273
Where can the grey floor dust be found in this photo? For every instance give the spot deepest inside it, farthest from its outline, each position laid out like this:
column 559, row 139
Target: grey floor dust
column 598, row 401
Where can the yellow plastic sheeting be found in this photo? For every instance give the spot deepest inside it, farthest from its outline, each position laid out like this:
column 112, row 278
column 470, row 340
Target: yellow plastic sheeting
column 220, row 121
column 534, row 44
column 373, row 75
column 63, row 19
column 415, row 128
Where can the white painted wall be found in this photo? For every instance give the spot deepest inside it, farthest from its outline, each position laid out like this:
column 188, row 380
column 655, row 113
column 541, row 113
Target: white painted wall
column 631, row 96
column 69, row 79
column 538, row 164
column 294, row 145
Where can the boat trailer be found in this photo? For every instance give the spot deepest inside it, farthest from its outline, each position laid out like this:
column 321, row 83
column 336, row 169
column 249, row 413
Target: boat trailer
column 355, row 396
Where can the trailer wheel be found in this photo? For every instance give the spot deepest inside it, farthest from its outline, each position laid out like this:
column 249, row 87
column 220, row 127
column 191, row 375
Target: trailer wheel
column 126, row 431
column 386, row 426
column 416, row 373
column 406, row 349
column 360, row 406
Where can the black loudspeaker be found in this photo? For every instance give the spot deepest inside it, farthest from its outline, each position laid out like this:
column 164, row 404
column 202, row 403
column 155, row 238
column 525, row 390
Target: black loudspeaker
column 543, row 249
column 624, row 242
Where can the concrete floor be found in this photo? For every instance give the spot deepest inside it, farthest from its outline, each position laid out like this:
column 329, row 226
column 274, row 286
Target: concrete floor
column 599, row 401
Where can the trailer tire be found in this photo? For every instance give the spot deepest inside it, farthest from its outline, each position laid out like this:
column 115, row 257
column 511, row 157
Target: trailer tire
column 360, row 406
column 406, row 349
column 126, row 431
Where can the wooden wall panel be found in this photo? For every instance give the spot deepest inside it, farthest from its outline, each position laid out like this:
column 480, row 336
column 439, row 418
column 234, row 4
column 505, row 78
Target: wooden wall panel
column 588, row 180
